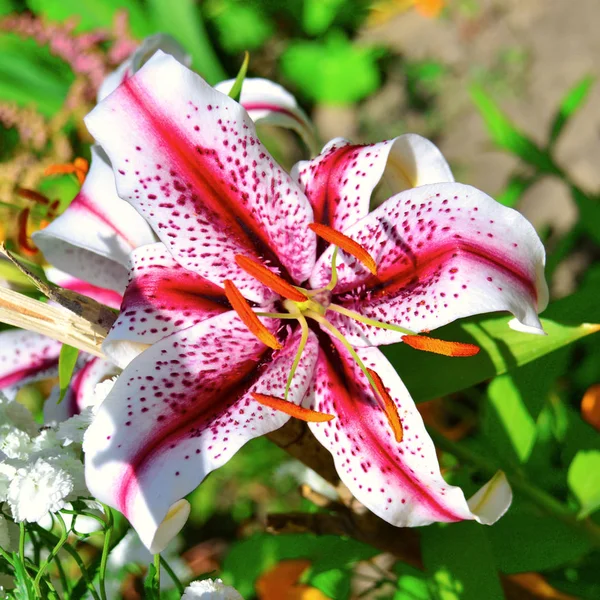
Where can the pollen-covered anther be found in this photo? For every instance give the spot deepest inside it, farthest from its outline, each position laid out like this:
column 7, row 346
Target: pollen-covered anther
column 270, row 279
column 348, row 245
column 429, row 344
column 289, row 408
column 389, row 406
column 246, row 314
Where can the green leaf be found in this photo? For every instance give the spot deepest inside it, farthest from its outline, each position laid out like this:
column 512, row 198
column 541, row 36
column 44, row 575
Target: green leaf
column 248, row 559
column 524, row 542
column 412, row 583
column 334, row 583
column 318, row 15
column 23, row 582
column 574, row 98
column 236, row 89
column 67, row 360
column 6, row 7
column 94, row 14
column 507, row 136
column 514, row 190
column 502, row 349
column 240, row 25
column 334, row 71
column 460, row 563
column 150, row 591
column 584, row 480
column 31, row 76
column 183, row 20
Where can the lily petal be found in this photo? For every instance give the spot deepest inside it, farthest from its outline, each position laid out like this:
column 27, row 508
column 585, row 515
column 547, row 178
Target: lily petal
column 187, row 157
column 93, row 237
column 180, row 410
column 268, row 103
column 443, row 252
column 398, row 481
column 161, row 298
column 80, row 394
column 158, row 41
column 26, row 357
column 340, row 181
column 64, row 280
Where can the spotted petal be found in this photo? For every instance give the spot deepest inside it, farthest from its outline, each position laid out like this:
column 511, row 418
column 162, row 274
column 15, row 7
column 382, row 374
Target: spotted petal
column 180, row 410
column 187, row 157
column 158, row 41
column 161, row 298
column 443, row 252
column 26, row 357
column 399, row 481
column 340, row 181
column 93, row 237
column 268, row 103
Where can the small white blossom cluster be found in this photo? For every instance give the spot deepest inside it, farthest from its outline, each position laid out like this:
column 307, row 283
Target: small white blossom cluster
column 209, row 589
column 40, row 471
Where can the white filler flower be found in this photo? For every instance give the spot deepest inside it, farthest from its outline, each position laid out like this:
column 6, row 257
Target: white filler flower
column 38, row 489
column 210, row 590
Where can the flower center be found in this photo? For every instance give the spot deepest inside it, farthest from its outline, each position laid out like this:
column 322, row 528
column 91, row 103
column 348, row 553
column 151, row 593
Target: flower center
column 302, row 304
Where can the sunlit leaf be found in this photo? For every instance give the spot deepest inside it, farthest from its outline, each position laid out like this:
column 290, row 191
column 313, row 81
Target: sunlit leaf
column 502, row 349
column 67, row 360
column 333, row 71
column 318, row 15
column 507, row 136
column 460, row 563
column 574, row 98
column 584, row 480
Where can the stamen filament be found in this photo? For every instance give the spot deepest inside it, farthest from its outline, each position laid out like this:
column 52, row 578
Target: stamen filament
column 301, row 346
column 24, row 244
column 429, row 344
column 346, row 244
column 390, row 408
column 248, row 317
column 276, row 315
column 337, row 334
column 270, row 279
column 368, row 321
column 289, row 408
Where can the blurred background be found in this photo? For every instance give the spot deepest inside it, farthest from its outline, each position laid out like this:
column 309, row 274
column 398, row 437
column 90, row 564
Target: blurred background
column 506, row 88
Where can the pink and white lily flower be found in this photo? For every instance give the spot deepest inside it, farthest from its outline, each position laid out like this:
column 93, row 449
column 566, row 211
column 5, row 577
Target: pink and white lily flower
column 267, row 294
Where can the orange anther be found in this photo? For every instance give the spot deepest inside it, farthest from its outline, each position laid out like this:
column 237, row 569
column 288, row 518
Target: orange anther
column 24, row 244
column 270, row 279
column 79, row 167
column 246, row 314
column 343, row 242
column 590, row 406
column 289, row 408
column 389, row 406
column 429, row 344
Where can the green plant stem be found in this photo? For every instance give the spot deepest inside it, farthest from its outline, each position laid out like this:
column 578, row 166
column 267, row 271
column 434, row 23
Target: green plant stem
column 61, row 542
column 157, row 575
column 167, row 567
column 520, row 484
column 85, row 581
column 22, row 552
column 110, row 522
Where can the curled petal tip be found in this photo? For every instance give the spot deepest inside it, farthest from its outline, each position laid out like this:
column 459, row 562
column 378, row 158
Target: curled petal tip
column 492, row 500
column 535, row 329
column 170, row 526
